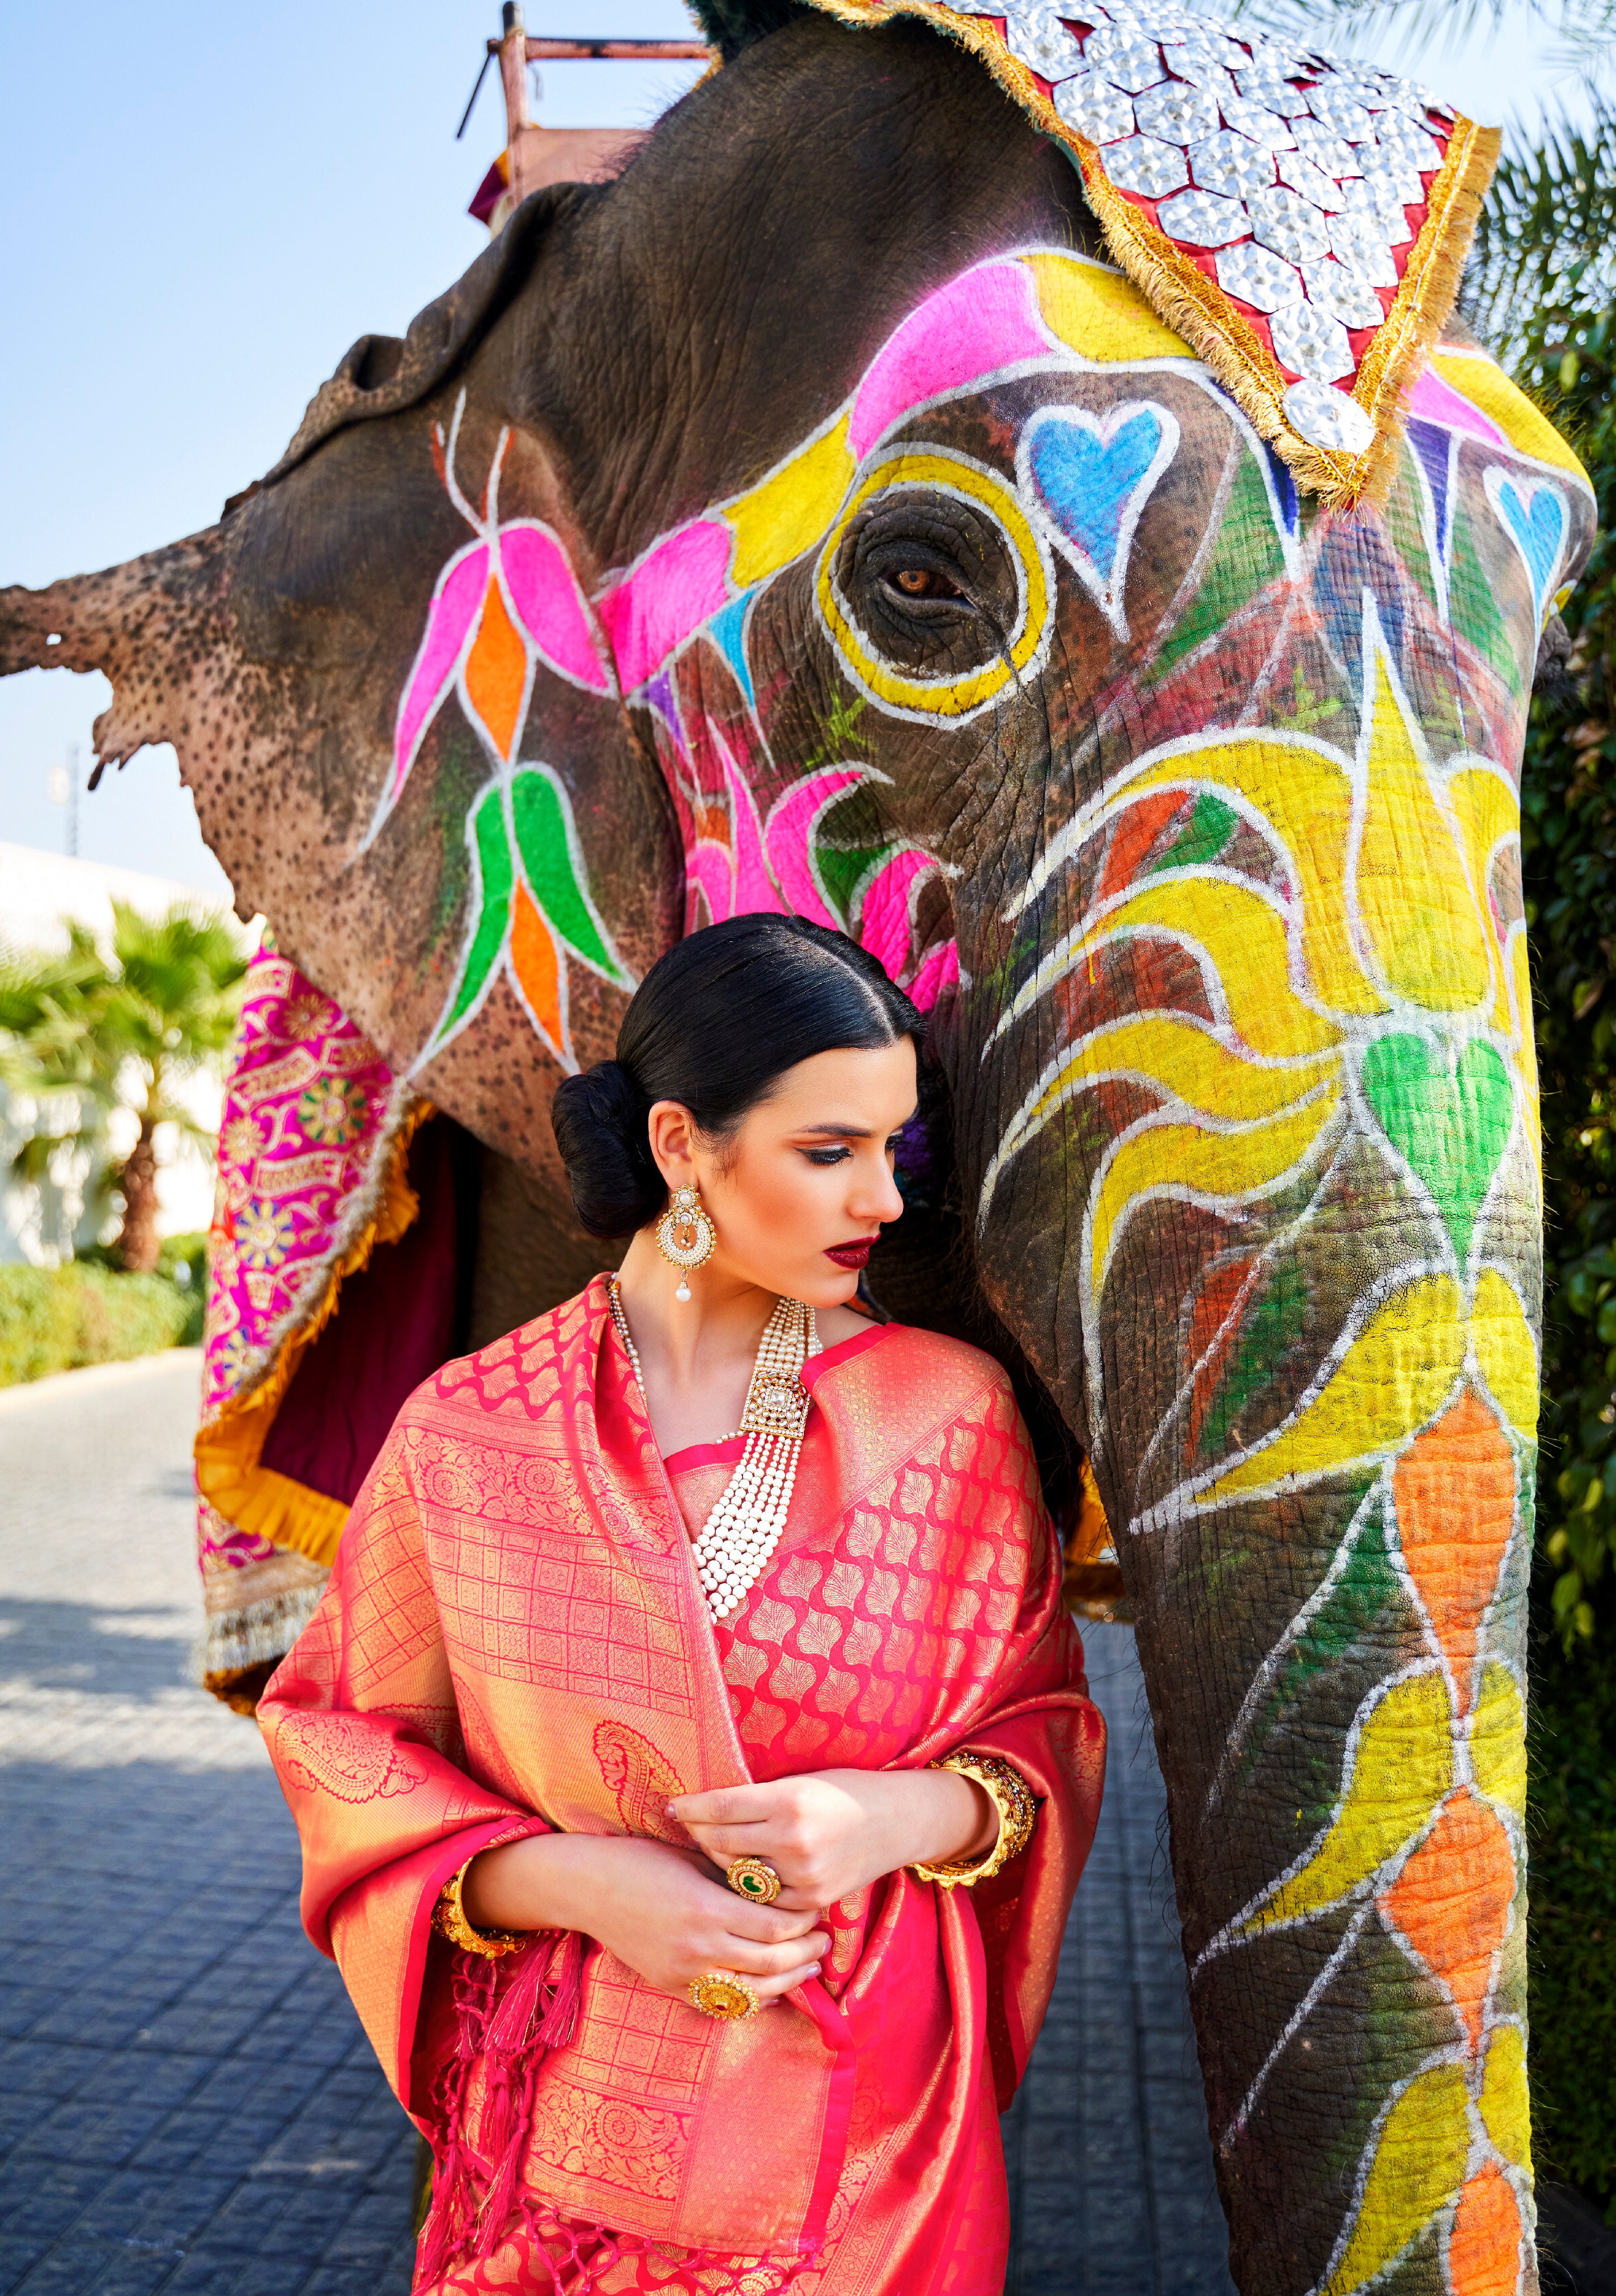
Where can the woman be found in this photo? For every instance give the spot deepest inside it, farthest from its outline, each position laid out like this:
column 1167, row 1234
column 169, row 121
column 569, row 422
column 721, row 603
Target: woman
column 694, row 1814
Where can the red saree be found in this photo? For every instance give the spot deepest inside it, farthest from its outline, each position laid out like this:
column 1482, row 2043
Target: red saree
column 514, row 1638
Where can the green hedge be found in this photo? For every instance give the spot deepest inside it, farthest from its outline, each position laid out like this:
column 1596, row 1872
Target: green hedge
column 1568, row 838
column 56, row 1319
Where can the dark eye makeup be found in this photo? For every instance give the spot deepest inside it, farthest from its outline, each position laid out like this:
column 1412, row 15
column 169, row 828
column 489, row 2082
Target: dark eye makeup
column 828, row 1156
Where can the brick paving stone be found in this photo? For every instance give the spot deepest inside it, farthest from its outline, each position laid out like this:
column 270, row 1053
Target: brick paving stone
column 188, row 2106
column 1111, row 2166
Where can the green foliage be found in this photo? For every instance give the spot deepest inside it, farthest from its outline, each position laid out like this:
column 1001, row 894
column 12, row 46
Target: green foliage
column 89, row 1030
column 56, row 1319
column 183, row 1262
column 1569, row 837
column 1566, row 356
column 1573, row 1942
column 1545, row 254
column 1582, row 28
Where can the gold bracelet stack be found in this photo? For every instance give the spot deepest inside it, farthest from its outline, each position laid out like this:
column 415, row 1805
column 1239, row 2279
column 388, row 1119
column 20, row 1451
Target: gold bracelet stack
column 1017, row 1805
column 449, row 1920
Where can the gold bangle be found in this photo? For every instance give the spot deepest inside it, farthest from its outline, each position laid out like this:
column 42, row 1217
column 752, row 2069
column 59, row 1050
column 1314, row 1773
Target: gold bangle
column 449, row 1920
column 1017, row 1805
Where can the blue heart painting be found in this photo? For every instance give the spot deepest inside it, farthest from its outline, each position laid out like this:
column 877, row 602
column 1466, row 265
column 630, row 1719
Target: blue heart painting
column 1089, row 477
column 1534, row 517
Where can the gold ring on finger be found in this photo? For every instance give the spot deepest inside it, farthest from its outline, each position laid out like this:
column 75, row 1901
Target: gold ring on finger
column 722, row 1994
column 754, row 1878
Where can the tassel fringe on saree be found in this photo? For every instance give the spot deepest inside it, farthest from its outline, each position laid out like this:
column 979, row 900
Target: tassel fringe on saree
column 514, row 1639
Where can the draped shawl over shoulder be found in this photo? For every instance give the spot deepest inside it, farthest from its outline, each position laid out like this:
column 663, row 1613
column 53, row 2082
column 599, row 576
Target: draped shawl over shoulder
column 514, row 1639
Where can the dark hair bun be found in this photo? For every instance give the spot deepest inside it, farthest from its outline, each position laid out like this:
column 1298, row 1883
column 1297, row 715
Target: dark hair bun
column 600, row 1129
column 717, row 1021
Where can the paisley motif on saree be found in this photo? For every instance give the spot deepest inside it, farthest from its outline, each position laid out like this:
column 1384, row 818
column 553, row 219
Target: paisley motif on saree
column 513, row 1637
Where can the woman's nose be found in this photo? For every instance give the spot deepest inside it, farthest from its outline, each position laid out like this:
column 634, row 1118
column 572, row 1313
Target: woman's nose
column 875, row 1194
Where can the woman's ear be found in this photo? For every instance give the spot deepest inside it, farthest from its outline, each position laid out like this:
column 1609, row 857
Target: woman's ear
column 672, row 1130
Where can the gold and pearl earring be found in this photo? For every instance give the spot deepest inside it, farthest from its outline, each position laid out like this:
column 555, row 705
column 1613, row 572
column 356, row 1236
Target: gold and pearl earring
column 686, row 1236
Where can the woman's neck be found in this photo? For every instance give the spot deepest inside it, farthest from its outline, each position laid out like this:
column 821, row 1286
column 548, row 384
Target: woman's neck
column 696, row 1355
column 722, row 1319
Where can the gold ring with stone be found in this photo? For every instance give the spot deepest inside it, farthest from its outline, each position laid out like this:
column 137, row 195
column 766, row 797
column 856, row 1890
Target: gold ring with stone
column 754, row 1878
column 722, row 1994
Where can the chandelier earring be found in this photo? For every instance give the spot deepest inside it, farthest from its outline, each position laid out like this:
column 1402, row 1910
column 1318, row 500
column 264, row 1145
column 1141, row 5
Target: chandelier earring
column 686, row 1236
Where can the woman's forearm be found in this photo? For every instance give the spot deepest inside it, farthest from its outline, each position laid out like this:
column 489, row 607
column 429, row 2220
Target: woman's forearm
column 544, row 1881
column 940, row 1816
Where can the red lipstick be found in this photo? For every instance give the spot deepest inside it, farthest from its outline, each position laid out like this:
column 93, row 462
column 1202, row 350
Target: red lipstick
column 852, row 1255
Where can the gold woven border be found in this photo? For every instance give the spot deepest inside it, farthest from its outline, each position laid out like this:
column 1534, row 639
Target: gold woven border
column 1185, row 298
column 229, row 1444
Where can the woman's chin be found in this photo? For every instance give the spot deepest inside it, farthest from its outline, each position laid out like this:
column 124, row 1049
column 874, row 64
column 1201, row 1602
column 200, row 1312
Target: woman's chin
column 824, row 1286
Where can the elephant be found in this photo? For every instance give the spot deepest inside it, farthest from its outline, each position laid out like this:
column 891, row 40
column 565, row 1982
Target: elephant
column 877, row 503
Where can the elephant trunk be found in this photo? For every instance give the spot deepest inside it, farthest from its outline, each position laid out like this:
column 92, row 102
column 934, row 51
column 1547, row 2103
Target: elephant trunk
column 1263, row 1202
column 144, row 624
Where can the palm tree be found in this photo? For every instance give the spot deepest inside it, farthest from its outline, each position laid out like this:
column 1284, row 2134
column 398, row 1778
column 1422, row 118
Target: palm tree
column 1583, row 26
column 51, row 1051
column 88, row 1030
column 1545, row 258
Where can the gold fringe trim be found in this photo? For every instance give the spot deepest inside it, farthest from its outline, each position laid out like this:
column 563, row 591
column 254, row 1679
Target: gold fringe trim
column 229, row 1446
column 1425, row 301
column 1194, row 306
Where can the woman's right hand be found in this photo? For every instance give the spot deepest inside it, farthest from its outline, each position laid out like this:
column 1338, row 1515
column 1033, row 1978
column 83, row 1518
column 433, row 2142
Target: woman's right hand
column 656, row 1907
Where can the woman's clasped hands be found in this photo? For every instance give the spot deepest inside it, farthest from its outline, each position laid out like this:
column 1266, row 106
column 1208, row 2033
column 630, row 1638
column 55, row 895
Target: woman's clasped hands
column 830, row 1834
column 668, row 1913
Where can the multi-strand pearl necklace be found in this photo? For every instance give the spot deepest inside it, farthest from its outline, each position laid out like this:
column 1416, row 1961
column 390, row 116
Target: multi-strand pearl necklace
column 743, row 1529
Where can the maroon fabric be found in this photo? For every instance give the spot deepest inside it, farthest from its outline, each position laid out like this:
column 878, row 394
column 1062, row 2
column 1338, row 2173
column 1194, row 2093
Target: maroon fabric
column 489, row 192
column 397, row 1322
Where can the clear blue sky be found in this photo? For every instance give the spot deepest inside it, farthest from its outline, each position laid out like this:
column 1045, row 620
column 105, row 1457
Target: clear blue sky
column 203, row 206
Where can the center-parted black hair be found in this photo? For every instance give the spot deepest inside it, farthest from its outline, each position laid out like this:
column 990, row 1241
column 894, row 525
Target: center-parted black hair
column 714, row 1025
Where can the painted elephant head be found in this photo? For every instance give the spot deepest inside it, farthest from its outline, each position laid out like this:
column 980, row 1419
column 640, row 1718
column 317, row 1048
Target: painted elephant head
column 816, row 519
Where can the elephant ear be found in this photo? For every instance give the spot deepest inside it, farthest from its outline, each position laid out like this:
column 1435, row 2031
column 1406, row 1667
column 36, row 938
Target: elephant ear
column 382, row 375
column 731, row 25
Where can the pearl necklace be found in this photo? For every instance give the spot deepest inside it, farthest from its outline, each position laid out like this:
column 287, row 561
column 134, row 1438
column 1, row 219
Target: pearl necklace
column 745, row 1527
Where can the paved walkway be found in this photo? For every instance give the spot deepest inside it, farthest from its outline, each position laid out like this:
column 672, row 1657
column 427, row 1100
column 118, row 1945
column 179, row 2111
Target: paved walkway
column 186, row 2102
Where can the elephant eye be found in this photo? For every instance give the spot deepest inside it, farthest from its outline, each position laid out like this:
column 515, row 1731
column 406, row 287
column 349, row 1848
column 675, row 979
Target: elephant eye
column 924, row 582
column 931, row 587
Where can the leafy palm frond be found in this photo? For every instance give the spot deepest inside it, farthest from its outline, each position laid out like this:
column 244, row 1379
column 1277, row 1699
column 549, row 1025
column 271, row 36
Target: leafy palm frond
column 1544, row 252
column 88, row 1029
column 1583, row 28
column 177, row 977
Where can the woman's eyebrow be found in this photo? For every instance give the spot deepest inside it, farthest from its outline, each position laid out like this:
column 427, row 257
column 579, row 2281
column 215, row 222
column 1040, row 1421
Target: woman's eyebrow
column 852, row 1131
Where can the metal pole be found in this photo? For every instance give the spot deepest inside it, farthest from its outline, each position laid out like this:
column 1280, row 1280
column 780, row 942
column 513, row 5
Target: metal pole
column 625, row 50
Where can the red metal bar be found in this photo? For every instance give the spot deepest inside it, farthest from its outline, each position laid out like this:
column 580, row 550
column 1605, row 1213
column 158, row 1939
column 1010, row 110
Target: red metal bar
column 635, row 51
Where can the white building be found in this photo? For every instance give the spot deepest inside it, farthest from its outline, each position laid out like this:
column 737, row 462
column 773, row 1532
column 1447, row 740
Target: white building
column 39, row 892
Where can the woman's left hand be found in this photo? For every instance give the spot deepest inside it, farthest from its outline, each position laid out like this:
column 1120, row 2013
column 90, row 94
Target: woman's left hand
column 831, row 1833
